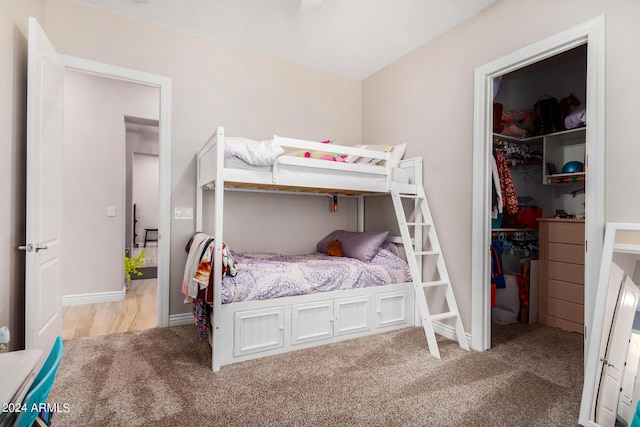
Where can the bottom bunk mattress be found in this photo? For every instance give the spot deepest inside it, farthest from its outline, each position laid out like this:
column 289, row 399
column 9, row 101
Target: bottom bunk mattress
column 262, row 276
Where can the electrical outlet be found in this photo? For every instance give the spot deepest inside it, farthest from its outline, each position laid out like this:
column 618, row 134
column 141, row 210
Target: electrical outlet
column 183, row 213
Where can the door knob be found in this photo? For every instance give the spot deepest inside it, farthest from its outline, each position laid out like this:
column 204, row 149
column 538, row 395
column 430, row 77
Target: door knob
column 29, row 247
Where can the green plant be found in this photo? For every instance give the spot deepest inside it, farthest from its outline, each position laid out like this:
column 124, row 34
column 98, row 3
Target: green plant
column 132, row 264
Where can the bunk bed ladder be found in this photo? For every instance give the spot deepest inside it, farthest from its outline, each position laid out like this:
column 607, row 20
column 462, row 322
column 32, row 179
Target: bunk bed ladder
column 423, row 221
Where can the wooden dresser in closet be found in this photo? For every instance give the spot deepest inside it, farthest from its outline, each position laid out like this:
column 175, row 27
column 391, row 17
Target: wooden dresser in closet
column 561, row 286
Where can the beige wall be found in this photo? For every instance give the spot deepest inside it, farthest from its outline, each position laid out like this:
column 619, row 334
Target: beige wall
column 93, row 178
column 13, row 81
column 212, row 84
column 426, row 99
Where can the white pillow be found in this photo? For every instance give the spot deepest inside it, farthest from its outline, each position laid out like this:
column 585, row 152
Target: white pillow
column 397, row 153
column 257, row 153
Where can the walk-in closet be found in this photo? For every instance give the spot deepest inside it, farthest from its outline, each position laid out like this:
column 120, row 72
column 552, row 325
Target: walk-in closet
column 538, row 202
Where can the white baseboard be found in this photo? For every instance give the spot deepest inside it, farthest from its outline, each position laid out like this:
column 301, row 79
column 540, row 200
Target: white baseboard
column 449, row 332
column 181, row 319
column 94, row 298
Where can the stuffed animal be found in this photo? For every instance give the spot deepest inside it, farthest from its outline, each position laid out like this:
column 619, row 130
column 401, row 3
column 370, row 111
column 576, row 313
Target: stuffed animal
column 335, row 248
column 322, row 155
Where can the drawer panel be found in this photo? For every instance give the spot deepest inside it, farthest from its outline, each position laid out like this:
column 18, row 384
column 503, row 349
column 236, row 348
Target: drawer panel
column 571, row 292
column 566, row 310
column 566, row 232
column 565, row 325
column 565, row 272
column 565, row 252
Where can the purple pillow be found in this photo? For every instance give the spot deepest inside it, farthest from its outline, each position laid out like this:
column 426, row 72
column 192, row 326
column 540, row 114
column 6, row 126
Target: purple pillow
column 360, row 245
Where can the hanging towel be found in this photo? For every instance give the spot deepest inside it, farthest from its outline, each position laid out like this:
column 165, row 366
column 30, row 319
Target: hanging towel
column 509, row 197
column 199, row 265
column 496, row 191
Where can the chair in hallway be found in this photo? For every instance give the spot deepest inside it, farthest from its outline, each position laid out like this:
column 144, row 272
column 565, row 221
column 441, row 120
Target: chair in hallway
column 150, row 235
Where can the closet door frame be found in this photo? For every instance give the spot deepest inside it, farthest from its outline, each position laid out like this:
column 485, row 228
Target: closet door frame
column 591, row 33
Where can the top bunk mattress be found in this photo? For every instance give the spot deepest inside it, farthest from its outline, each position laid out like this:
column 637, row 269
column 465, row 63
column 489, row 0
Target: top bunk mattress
column 236, row 164
column 295, row 165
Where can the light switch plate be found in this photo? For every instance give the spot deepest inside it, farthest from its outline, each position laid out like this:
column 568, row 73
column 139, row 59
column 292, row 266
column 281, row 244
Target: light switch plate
column 111, row 211
column 183, row 213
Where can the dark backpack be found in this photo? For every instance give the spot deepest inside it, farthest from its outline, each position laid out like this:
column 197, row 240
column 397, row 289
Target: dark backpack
column 548, row 115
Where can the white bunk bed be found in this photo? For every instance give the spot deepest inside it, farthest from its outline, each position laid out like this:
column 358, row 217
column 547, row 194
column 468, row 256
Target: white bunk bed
column 252, row 329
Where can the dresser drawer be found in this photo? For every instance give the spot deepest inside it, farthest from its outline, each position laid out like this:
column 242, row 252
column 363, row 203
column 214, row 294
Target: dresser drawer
column 563, row 324
column 565, row 252
column 566, row 232
column 565, row 272
column 571, row 292
column 566, row 310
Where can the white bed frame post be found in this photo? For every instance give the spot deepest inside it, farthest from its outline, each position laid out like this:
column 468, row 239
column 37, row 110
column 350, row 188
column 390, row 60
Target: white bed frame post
column 361, row 200
column 216, row 333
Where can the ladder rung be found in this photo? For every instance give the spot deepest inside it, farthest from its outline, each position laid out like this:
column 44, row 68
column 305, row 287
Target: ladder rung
column 427, row 253
column 447, row 315
column 434, row 284
column 423, row 224
column 410, row 196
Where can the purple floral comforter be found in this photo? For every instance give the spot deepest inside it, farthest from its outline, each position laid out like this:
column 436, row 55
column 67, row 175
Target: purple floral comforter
column 266, row 276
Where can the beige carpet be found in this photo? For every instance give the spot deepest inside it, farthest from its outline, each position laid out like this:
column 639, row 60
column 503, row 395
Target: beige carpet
column 532, row 377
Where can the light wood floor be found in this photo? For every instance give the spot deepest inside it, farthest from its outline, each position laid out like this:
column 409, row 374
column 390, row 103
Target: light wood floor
column 137, row 311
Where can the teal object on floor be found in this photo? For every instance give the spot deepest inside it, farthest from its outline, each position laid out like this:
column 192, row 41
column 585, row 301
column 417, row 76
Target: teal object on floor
column 39, row 390
column 636, row 417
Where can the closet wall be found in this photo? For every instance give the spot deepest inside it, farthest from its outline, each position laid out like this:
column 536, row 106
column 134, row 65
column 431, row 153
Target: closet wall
column 558, row 77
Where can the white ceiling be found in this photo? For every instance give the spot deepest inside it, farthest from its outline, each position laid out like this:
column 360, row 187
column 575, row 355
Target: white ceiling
column 353, row 38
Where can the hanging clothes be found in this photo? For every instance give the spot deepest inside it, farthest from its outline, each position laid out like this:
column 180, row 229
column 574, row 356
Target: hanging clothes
column 497, row 276
column 509, row 197
column 497, row 204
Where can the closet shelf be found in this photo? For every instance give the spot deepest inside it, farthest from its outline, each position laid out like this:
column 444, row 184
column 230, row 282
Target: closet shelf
column 515, row 139
column 566, row 178
column 519, row 163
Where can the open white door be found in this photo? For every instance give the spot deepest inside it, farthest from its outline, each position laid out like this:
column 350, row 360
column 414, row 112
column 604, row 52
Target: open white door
column 43, row 299
column 616, row 354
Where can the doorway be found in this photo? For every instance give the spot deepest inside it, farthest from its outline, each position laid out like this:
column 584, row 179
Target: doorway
column 97, row 163
column 591, row 34
column 45, row 80
column 163, row 84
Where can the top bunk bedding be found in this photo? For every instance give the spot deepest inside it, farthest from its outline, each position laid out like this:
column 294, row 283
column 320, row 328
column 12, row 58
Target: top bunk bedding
column 298, row 164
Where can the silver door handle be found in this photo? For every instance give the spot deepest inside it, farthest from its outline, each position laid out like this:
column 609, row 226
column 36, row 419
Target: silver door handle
column 29, row 247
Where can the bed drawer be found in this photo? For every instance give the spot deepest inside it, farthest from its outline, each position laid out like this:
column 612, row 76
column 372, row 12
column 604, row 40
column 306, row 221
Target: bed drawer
column 258, row 330
column 391, row 308
column 311, row 321
column 352, row 315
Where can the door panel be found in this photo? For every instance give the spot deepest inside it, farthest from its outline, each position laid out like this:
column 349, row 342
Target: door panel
column 616, row 354
column 43, row 300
